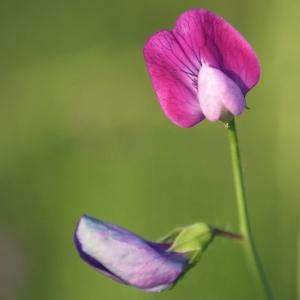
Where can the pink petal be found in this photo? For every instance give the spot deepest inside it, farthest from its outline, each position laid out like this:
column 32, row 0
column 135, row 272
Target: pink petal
column 207, row 37
column 174, row 77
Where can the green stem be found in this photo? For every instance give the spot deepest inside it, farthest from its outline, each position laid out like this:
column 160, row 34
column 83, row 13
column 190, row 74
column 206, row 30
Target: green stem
column 244, row 220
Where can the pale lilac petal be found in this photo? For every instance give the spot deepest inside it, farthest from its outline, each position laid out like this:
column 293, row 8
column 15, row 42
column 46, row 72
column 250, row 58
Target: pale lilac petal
column 207, row 37
column 219, row 96
column 92, row 261
column 126, row 257
column 174, row 77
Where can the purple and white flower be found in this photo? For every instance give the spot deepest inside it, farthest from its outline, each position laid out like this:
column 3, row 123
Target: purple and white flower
column 128, row 258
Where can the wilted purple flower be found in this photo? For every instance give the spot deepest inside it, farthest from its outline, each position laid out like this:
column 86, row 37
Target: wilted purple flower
column 126, row 257
column 203, row 68
column 129, row 259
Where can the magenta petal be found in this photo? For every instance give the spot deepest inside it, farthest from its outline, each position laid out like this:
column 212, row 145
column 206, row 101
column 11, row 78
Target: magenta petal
column 207, row 37
column 174, row 77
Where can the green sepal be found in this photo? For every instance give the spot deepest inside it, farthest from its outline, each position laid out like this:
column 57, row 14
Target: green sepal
column 191, row 240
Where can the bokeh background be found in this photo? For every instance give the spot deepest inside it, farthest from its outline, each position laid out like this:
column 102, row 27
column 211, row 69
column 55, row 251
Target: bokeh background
column 81, row 132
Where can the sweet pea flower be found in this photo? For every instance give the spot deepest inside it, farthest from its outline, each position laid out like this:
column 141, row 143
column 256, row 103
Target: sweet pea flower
column 132, row 260
column 203, row 68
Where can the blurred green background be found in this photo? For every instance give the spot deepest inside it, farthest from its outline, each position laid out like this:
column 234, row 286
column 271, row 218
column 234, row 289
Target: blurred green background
column 81, row 132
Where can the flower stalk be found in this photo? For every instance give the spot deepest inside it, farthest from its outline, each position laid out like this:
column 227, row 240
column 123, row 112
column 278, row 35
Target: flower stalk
column 227, row 234
column 243, row 213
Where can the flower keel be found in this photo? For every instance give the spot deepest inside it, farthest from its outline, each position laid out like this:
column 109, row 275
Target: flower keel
column 220, row 98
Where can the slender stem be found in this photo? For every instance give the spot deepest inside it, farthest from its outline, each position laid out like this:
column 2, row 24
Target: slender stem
column 244, row 220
